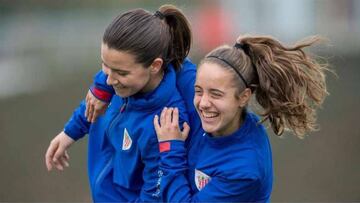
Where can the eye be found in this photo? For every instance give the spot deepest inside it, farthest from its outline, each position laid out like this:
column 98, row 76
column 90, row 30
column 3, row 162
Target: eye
column 121, row 73
column 198, row 91
column 216, row 95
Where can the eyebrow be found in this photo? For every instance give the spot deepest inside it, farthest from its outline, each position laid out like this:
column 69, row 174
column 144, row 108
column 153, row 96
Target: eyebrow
column 114, row 69
column 211, row 90
column 216, row 90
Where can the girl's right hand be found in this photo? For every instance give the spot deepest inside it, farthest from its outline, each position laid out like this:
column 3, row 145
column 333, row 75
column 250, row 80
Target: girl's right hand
column 56, row 154
column 168, row 129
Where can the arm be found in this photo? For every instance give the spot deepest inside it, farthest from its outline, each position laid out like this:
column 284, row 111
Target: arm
column 56, row 154
column 98, row 97
column 175, row 187
column 150, row 191
column 105, row 92
column 77, row 127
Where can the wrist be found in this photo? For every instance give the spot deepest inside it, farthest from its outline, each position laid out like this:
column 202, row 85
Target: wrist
column 100, row 94
column 171, row 145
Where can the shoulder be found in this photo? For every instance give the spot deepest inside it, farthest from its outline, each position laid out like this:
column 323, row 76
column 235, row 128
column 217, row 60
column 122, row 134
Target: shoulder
column 188, row 64
column 188, row 67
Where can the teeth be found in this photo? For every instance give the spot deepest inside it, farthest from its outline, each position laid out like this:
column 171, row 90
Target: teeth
column 209, row 115
column 120, row 86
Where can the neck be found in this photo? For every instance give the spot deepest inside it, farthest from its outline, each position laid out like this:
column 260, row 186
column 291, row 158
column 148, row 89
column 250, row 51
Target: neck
column 233, row 127
column 154, row 82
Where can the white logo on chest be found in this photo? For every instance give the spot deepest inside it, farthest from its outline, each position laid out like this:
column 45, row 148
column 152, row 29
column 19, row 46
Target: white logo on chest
column 126, row 140
column 201, row 179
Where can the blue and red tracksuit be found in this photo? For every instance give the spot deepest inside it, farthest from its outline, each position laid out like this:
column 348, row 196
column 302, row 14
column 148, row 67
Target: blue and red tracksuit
column 123, row 152
column 232, row 168
column 185, row 81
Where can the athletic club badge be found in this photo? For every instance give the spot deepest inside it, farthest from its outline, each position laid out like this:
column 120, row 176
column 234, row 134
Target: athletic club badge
column 126, row 140
column 201, row 179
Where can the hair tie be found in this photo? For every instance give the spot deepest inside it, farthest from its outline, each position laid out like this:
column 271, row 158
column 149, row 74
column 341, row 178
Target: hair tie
column 159, row 15
column 244, row 47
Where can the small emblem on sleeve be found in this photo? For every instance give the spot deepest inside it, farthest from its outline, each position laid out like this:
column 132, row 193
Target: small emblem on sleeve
column 126, row 140
column 201, row 179
column 164, row 146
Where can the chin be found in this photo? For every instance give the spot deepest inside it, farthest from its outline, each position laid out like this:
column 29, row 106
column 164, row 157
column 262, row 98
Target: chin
column 123, row 94
column 208, row 129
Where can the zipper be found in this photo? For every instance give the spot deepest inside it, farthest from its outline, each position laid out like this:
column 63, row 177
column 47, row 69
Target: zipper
column 117, row 117
column 101, row 174
column 107, row 134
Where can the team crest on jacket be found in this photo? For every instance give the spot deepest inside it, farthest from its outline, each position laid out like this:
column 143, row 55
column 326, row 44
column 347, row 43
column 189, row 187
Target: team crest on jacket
column 126, row 140
column 201, row 179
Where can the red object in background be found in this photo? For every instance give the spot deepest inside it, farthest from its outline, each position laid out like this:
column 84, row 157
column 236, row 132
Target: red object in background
column 212, row 28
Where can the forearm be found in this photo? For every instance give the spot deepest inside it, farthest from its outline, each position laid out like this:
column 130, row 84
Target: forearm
column 77, row 126
column 173, row 164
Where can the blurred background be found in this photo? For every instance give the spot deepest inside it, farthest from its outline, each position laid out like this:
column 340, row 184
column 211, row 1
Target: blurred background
column 49, row 51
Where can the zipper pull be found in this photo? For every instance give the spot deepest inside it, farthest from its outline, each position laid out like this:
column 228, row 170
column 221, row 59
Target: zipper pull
column 122, row 109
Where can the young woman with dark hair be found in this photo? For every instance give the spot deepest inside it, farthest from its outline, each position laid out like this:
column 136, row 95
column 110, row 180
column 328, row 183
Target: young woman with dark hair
column 231, row 161
column 141, row 53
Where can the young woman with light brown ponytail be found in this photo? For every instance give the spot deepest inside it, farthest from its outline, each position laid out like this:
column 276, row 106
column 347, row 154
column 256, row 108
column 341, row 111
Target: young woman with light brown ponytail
column 231, row 161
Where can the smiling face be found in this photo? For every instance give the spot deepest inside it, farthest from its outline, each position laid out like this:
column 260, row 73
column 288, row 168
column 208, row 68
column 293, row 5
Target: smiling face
column 215, row 101
column 126, row 75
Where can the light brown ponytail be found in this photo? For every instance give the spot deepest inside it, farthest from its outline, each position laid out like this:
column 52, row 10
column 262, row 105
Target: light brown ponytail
column 291, row 83
column 288, row 83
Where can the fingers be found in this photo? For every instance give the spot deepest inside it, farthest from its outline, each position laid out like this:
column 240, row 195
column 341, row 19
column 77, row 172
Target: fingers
column 91, row 112
column 56, row 155
column 175, row 116
column 98, row 110
column 95, row 115
column 186, row 130
column 57, row 159
column 168, row 115
column 156, row 124
column 94, row 107
column 64, row 162
column 61, row 159
column 162, row 116
column 67, row 157
column 50, row 154
column 87, row 105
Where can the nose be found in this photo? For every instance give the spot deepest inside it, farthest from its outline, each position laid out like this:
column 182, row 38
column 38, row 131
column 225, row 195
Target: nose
column 110, row 79
column 204, row 102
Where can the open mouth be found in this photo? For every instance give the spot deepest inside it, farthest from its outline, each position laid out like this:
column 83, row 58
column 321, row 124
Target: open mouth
column 119, row 87
column 209, row 116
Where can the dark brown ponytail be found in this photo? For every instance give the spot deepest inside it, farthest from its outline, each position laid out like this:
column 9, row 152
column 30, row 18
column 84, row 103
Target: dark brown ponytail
column 180, row 34
column 148, row 36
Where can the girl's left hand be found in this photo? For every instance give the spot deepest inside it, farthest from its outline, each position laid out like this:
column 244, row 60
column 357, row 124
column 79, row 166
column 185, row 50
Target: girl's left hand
column 94, row 107
column 169, row 129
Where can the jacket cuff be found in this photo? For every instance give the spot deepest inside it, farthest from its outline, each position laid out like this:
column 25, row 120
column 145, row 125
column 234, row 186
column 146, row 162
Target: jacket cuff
column 171, row 145
column 101, row 94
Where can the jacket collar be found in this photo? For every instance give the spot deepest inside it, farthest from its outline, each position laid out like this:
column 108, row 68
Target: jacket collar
column 159, row 96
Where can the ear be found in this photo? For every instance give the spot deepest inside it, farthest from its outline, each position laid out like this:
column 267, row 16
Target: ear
column 244, row 97
column 156, row 65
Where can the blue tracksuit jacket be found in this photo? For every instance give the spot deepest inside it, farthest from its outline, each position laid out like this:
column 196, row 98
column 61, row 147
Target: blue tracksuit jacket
column 123, row 150
column 233, row 168
column 185, row 81
column 230, row 169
